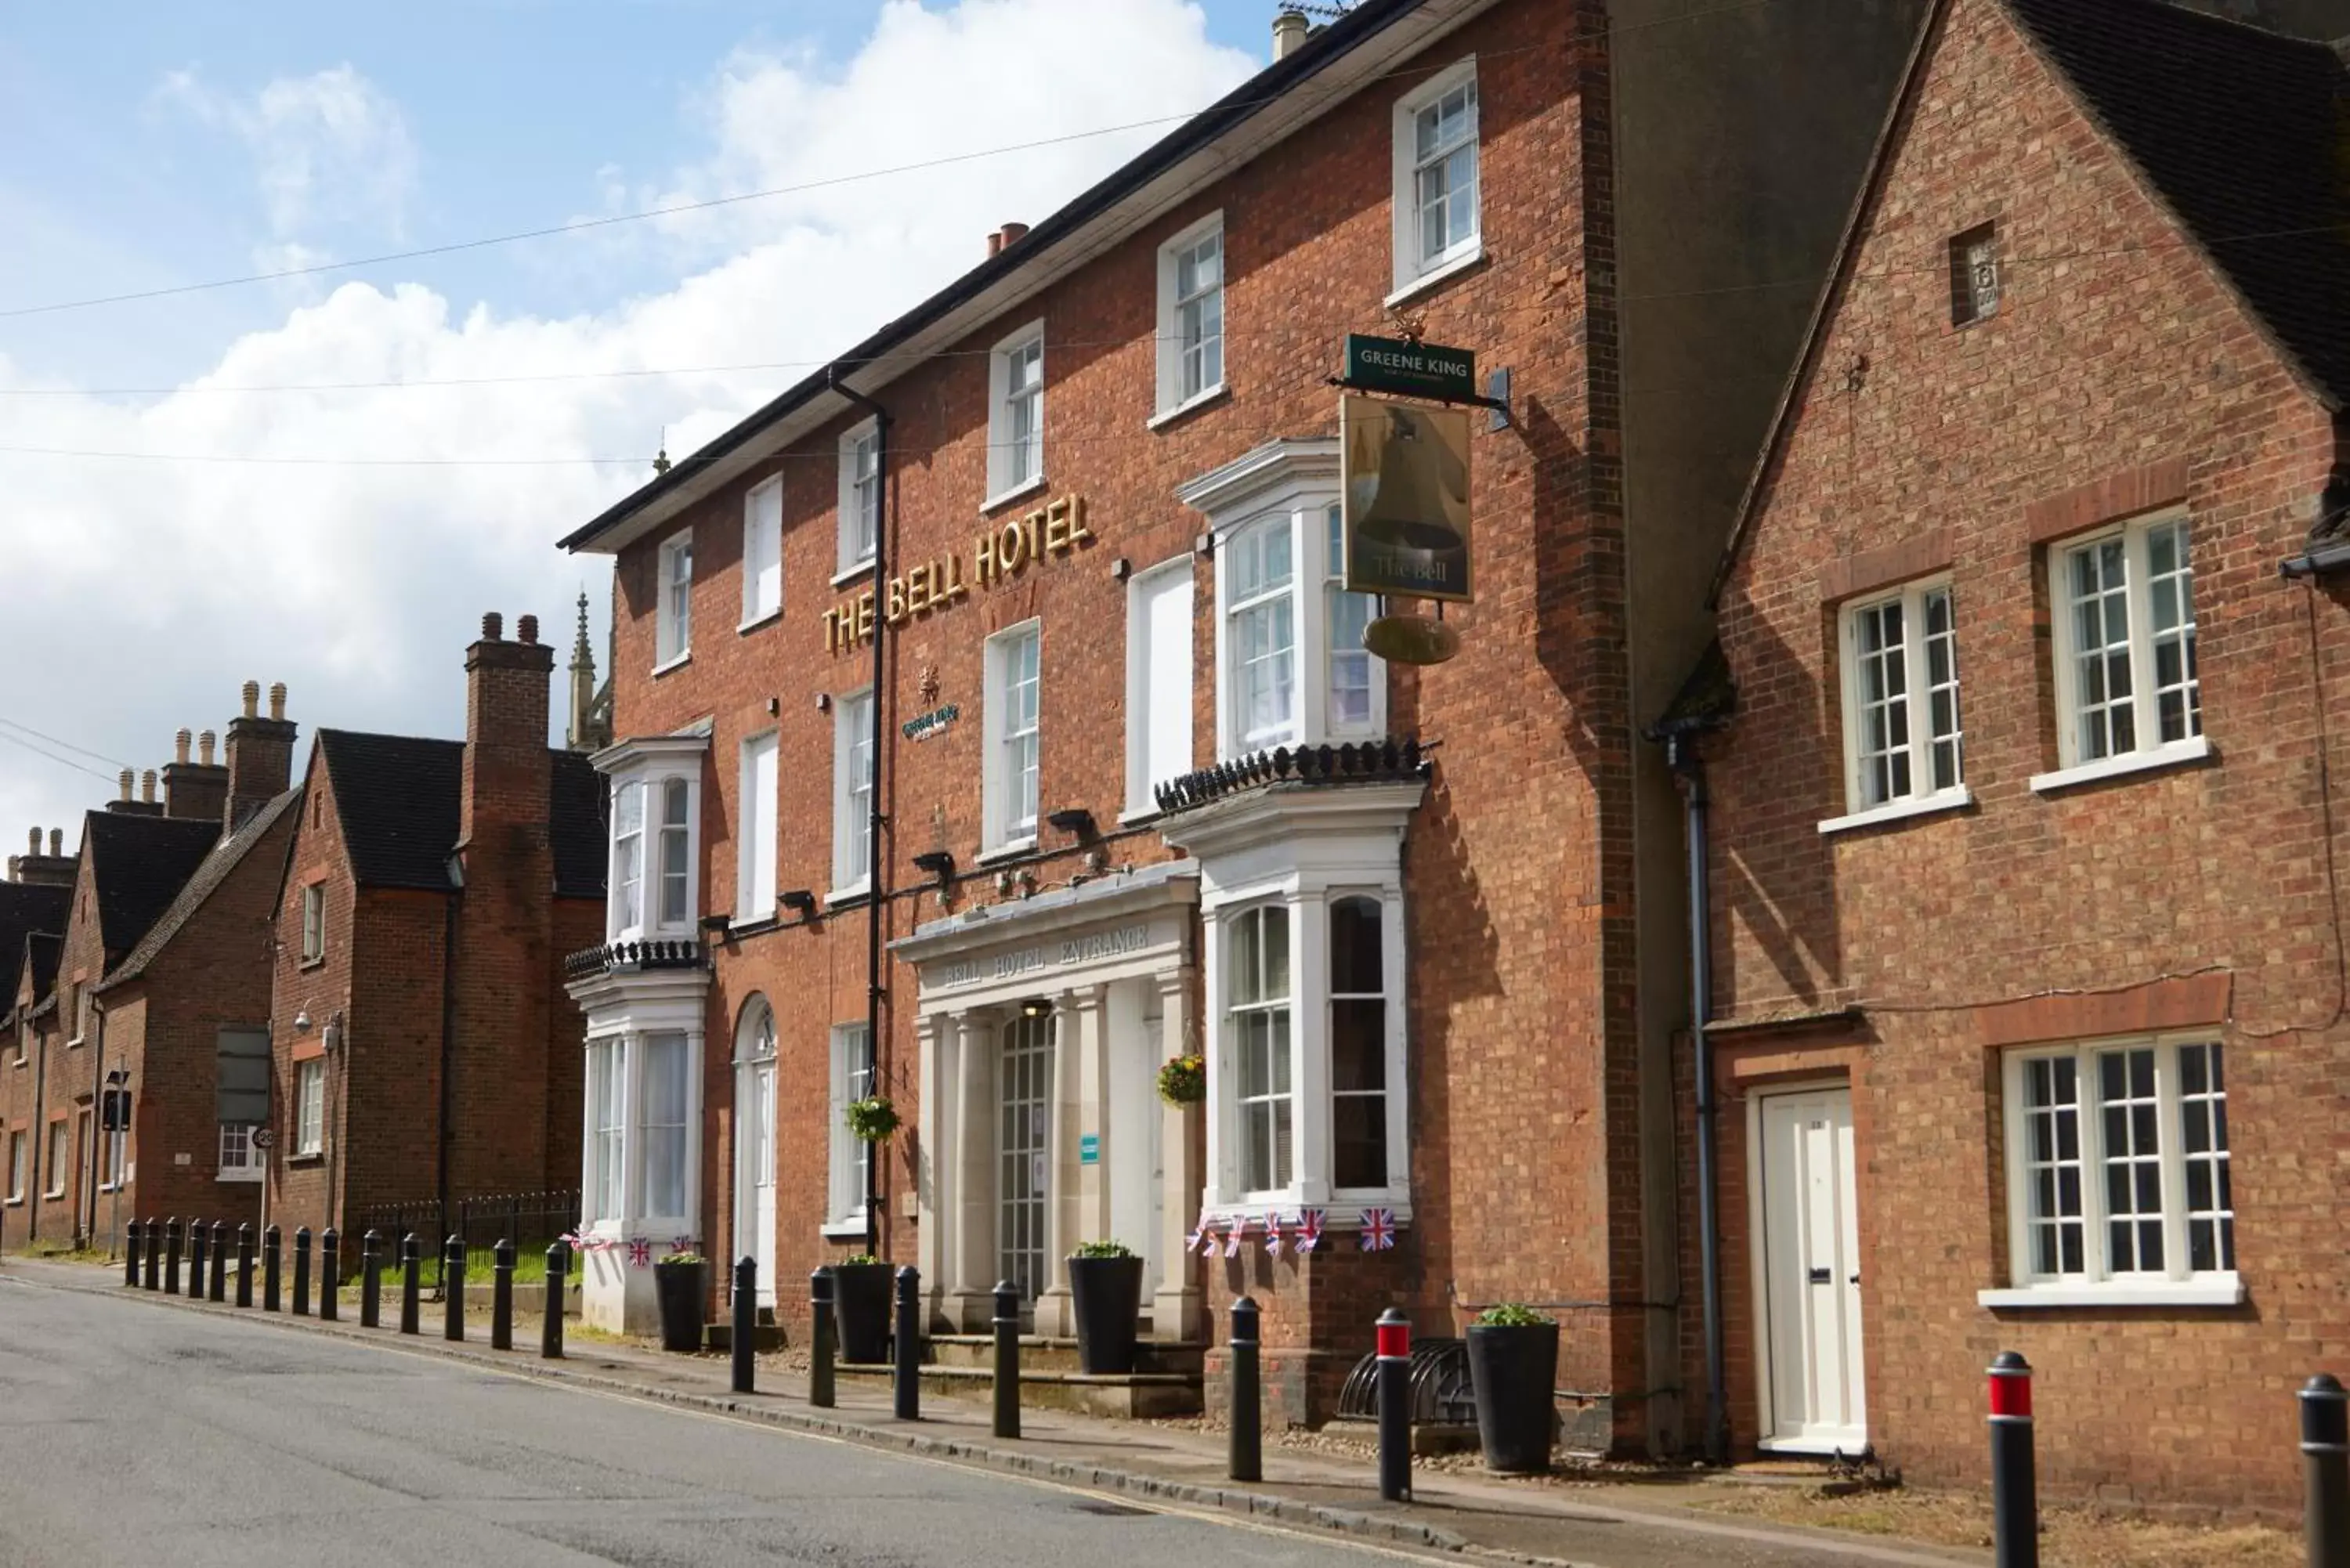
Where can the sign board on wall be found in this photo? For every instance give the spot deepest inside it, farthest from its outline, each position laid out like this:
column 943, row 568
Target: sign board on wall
column 997, row 556
column 1405, row 499
column 1410, row 370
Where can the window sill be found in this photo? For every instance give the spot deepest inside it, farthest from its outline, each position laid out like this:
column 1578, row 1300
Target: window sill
column 13, row 1203
column 1006, row 497
column 2164, row 756
column 1013, row 850
column 239, row 1177
column 304, row 1159
column 849, row 1229
column 311, row 963
column 56, row 1195
column 74, row 1045
column 680, row 662
column 1340, row 1216
column 847, row 575
column 2224, row 1291
column 854, row 893
column 1189, row 406
column 1895, row 811
column 1441, row 272
column 764, row 618
column 1137, row 815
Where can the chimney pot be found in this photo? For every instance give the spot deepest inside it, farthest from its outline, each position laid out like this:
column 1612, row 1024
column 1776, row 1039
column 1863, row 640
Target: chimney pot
column 33, row 841
column 995, row 242
column 147, row 787
column 123, row 780
column 253, row 699
column 204, row 744
column 15, row 863
column 491, row 626
column 180, row 746
column 526, row 629
column 56, row 842
column 1013, row 234
column 1289, row 31
column 277, row 701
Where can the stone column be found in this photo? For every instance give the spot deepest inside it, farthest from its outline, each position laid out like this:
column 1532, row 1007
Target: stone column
column 1092, row 1185
column 973, row 1156
column 1061, row 1215
column 1176, row 1308
column 930, row 1170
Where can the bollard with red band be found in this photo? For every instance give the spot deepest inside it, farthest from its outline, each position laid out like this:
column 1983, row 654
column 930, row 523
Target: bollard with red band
column 2014, row 1494
column 1394, row 1346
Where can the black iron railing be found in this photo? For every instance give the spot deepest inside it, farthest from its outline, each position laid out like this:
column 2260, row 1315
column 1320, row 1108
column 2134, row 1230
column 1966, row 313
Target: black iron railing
column 533, row 1221
column 620, row 958
column 1363, row 762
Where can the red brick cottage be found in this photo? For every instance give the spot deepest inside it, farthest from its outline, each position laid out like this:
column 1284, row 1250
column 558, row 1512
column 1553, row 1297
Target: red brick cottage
column 34, row 902
column 993, row 727
column 422, row 1050
column 2028, row 944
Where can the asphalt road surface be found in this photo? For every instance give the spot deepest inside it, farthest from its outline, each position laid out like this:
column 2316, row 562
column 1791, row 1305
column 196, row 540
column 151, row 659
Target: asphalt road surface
column 130, row 1435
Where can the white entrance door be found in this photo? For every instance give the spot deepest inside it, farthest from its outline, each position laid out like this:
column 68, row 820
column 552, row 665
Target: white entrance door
column 1025, row 1154
column 759, row 1109
column 1813, row 1399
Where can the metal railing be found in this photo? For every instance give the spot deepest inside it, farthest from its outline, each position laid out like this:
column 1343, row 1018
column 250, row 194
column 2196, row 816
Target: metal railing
column 531, row 1220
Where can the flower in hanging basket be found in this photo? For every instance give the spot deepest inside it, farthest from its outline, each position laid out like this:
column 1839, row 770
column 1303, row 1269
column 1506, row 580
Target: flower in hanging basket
column 873, row 1119
column 1183, row 1080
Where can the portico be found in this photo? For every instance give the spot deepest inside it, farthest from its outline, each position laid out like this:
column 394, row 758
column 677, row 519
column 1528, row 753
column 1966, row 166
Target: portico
column 1043, row 1024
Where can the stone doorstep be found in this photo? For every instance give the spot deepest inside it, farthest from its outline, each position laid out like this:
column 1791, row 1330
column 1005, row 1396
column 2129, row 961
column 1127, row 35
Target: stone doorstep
column 1042, row 1354
column 1119, row 1397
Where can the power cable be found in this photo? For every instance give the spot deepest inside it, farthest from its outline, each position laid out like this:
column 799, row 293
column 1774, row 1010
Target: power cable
column 68, row 745
column 52, row 756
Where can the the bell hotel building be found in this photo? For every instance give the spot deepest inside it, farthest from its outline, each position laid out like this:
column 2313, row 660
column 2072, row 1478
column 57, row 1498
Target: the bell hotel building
column 994, row 725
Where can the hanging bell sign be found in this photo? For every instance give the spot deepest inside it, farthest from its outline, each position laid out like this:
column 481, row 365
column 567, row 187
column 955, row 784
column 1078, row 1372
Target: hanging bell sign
column 1404, row 519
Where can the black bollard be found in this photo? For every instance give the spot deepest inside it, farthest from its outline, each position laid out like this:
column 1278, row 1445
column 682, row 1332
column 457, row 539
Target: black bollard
column 1246, row 1462
column 558, row 1284
column 746, row 1323
column 245, row 1264
column 130, row 1253
column 171, row 1256
column 370, row 1279
column 1007, row 1358
column 906, row 1383
column 330, row 1275
column 820, row 1339
column 302, row 1271
column 199, row 1237
column 453, row 1288
column 502, row 1268
column 2014, row 1501
column 2325, row 1455
column 411, row 1270
column 218, row 1289
column 1394, row 1344
column 155, row 1255
column 272, row 1251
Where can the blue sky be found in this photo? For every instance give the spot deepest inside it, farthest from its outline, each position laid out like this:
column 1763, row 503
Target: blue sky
column 193, row 536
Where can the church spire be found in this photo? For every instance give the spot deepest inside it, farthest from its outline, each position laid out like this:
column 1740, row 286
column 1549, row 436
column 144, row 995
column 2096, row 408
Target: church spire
column 579, row 734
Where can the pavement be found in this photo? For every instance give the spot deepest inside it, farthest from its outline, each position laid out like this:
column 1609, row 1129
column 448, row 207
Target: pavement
column 136, row 1427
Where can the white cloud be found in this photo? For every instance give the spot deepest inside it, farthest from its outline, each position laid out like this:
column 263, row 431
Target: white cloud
column 148, row 592
column 327, row 148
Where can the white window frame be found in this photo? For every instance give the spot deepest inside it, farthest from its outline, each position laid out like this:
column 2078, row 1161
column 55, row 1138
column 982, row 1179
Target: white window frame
column 60, row 1143
column 239, row 1160
column 642, row 1128
column 77, row 1012
column 1916, row 704
column 1413, row 269
column 1009, row 820
column 762, row 554
column 1143, row 655
column 845, row 1180
column 2098, row 1284
column 604, row 1196
column 1004, row 480
column 314, row 922
column 657, row 840
column 758, row 808
column 673, row 602
column 20, row 1144
column 2147, row 749
column 1313, row 595
column 852, row 819
column 311, row 1107
column 1174, row 398
column 858, row 508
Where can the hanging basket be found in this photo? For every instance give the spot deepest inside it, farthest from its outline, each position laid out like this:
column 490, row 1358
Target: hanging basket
column 1183, row 1080
column 871, row 1120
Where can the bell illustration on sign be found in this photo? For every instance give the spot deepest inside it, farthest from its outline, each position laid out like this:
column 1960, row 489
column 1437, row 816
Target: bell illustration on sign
column 1406, row 521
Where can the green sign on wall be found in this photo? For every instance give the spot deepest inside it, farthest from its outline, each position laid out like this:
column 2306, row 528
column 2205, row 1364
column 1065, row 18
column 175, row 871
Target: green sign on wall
column 1409, row 370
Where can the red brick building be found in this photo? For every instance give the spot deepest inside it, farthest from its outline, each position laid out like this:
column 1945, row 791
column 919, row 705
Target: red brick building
column 34, row 905
column 1060, row 540
column 2027, row 937
column 422, row 1048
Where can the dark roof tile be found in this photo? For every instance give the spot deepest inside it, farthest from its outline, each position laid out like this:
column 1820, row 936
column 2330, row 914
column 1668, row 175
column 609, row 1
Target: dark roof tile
column 227, row 855
column 575, row 819
column 398, row 799
column 138, row 865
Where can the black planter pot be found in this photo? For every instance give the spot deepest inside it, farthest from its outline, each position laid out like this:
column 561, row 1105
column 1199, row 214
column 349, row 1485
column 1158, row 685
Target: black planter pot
column 860, row 1297
column 682, row 1288
column 1513, row 1370
column 1107, row 1295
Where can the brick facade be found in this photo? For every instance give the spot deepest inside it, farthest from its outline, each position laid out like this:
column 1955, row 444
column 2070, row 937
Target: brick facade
column 2122, row 372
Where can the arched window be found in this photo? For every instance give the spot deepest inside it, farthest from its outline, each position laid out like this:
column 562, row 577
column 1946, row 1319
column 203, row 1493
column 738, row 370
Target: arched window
column 755, row 1032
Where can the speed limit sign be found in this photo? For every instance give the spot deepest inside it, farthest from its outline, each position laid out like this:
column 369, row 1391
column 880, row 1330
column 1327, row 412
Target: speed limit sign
column 262, row 1137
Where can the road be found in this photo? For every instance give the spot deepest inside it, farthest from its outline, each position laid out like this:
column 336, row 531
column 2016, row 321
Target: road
column 131, row 1434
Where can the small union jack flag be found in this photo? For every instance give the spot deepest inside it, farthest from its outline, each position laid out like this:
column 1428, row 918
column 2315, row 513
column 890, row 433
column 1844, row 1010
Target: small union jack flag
column 1235, row 1238
column 1379, row 1230
column 640, row 1252
column 1199, row 1229
column 1203, row 1241
column 1276, row 1235
column 680, row 1244
column 1309, row 1229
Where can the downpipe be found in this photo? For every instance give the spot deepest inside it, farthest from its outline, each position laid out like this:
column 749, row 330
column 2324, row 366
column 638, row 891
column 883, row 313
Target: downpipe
column 1680, row 756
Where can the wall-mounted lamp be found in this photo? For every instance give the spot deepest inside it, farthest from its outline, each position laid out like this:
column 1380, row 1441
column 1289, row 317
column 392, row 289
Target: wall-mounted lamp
column 800, row 900
column 332, row 1039
column 824, row 702
column 1036, row 1007
column 716, row 925
column 938, row 863
column 1120, row 569
column 302, row 1021
column 1074, row 820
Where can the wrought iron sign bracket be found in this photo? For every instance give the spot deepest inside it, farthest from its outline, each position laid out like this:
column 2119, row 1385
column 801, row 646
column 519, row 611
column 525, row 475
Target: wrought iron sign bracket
column 1496, row 402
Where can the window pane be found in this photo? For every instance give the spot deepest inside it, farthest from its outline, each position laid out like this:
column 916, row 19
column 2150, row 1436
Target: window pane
column 1358, row 1046
column 1942, row 688
column 1355, row 948
column 2178, row 693
column 2106, row 721
column 2210, row 1215
column 1881, row 650
column 2133, row 1161
column 666, row 1092
column 2052, row 1165
column 1359, row 1134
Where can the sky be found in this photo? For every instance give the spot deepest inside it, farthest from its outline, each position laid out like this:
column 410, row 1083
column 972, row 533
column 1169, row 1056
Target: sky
column 168, row 531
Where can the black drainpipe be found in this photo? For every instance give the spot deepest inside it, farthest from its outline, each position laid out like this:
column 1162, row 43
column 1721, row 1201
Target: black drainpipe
column 874, row 891
column 39, row 1133
column 1680, row 756
column 451, row 925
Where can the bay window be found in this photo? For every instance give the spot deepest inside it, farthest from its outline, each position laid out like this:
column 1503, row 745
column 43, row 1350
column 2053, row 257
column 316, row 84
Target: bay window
column 667, row 1097
column 655, row 811
column 1262, row 1048
column 607, row 1174
column 1359, row 1028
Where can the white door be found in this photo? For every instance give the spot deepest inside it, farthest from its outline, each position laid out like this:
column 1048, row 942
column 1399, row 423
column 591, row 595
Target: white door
column 1024, row 1154
column 760, row 1108
column 1812, row 1398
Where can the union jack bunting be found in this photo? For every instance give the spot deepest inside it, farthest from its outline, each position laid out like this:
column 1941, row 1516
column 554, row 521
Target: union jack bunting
column 1378, row 1232
column 1235, row 1238
column 1199, row 1229
column 640, row 1253
column 1309, row 1229
column 1277, row 1234
column 680, row 1244
column 1204, row 1240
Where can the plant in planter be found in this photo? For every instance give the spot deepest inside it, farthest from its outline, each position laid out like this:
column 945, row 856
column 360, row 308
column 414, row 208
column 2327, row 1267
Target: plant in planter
column 860, row 1301
column 872, row 1120
column 1513, row 1365
column 681, row 1284
column 1183, row 1080
column 1105, row 1290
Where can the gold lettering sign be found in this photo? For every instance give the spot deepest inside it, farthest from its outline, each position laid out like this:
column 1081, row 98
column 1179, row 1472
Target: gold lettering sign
column 997, row 556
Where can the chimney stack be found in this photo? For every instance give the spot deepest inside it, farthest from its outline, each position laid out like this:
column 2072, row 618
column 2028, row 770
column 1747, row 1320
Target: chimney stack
column 508, row 768
column 260, row 756
column 1289, row 31
column 197, row 791
column 51, row 870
